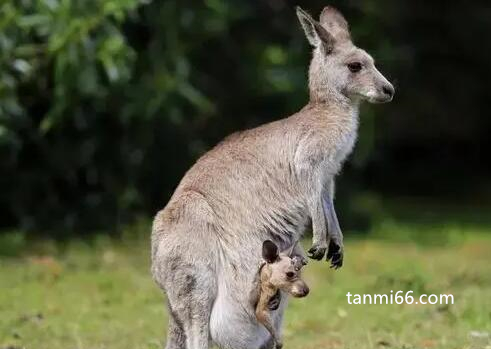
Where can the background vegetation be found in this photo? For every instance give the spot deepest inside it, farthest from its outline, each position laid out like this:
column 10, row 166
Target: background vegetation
column 105, row 104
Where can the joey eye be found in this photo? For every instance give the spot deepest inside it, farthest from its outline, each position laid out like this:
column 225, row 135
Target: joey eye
column 354, row 67
column 290, row 274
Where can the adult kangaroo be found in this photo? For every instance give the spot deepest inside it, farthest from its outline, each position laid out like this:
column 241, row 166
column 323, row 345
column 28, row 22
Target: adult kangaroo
column 269, row 182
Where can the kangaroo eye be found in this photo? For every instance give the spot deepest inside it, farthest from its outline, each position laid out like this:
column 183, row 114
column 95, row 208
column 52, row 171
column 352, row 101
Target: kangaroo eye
column 354, row 67
column 290, row 274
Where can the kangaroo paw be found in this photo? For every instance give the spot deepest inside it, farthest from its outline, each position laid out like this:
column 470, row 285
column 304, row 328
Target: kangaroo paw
column 274, row 303
column 317, row 252
column 335, row 255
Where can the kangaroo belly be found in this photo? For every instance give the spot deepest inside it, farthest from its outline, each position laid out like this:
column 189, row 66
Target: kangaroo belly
column 234, row 327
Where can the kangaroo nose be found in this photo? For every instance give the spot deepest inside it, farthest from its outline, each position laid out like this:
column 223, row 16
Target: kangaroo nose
column 299, row 290
column 304, row 291
column 388, row 90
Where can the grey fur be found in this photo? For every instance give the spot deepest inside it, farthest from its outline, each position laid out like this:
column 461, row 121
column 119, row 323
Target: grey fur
column 265, row 183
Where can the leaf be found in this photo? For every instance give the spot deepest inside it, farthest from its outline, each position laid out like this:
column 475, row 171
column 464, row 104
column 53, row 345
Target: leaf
column 22, row 66
column 195, row 97
column 33, row 21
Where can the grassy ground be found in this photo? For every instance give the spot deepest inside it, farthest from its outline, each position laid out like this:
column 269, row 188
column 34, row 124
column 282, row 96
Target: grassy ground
column 85, row 295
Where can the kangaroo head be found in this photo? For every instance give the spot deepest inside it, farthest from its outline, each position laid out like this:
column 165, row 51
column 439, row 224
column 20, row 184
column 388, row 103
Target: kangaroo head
column 283, row 270
column 339, row 70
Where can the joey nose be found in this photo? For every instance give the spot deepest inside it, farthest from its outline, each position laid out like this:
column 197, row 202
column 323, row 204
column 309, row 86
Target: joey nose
column 305, row 291
column 301, row 291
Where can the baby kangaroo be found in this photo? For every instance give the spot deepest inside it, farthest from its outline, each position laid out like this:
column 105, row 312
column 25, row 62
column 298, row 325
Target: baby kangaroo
column 278, row 272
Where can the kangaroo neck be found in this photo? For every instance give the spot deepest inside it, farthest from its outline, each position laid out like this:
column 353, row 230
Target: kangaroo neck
column 335, row 102
column 338, row 108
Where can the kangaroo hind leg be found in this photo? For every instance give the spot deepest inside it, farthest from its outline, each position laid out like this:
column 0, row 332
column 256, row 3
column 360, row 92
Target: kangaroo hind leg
column 191, row 293
column 176, row 338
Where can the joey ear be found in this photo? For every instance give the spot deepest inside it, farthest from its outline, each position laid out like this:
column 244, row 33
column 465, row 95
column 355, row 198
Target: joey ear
column 270, row 251
column 314, row 31
column 289, row 251
column 335, row 23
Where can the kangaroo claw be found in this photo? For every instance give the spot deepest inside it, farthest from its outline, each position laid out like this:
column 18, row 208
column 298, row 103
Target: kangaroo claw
column 317, row 252
column 335, row 255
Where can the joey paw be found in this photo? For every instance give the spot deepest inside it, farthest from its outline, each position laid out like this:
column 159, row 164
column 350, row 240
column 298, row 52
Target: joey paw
column 274, row 303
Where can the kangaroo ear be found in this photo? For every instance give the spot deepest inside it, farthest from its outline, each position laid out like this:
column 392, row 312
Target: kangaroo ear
column 270, row 251
column 297, row 263
column 314, row 31
column 335, row 23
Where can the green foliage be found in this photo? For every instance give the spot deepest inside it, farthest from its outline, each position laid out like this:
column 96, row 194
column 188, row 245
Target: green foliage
column 61, row 64
column 105, row 104
column 59, row 46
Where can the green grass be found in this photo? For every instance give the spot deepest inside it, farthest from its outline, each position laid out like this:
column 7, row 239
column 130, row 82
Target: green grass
column 99, row 294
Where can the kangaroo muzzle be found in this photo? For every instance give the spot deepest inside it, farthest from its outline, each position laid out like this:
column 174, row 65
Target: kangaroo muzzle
column 299, row 289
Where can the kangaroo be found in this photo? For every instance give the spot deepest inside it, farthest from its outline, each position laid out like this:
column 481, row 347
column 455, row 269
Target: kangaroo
column 278, row 271
column 266, row 183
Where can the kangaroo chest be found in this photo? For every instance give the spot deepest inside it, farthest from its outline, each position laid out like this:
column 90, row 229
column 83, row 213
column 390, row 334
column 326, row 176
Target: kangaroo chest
column 340, row 140
column 346, row 145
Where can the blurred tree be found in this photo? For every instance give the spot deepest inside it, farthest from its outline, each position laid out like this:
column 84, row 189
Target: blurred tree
column 105, row 104
column 62, row 64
